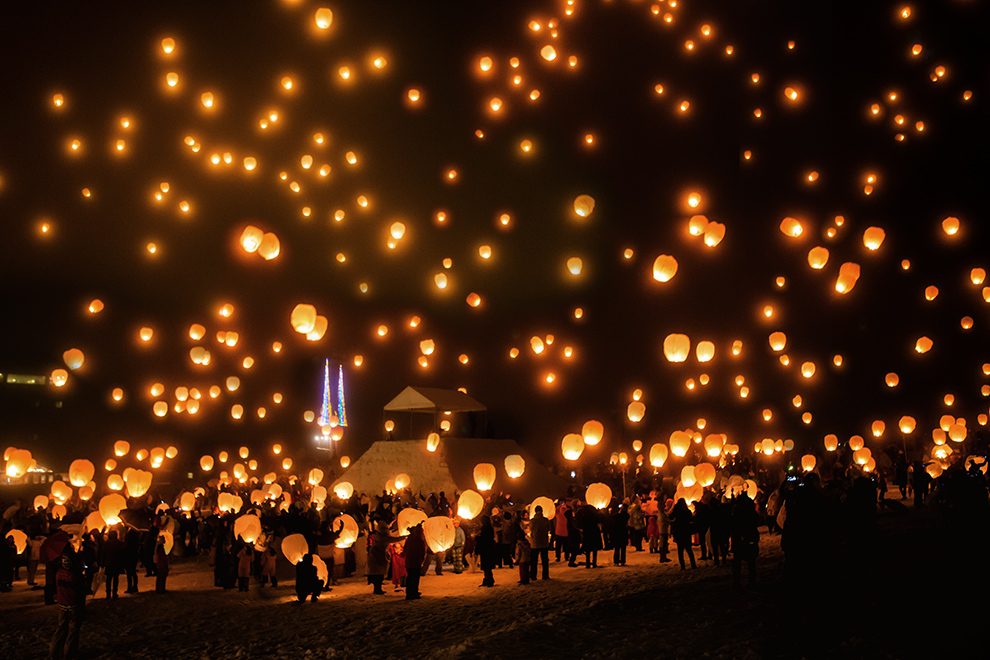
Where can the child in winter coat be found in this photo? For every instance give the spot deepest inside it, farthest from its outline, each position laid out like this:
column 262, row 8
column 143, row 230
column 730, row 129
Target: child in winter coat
column 523, row 556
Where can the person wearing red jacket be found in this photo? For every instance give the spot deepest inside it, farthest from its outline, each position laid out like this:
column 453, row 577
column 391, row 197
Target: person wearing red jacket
column 70, row 596
column 415, row 554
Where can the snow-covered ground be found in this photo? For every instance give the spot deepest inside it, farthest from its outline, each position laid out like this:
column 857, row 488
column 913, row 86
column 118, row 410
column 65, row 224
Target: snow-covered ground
column 574, row 614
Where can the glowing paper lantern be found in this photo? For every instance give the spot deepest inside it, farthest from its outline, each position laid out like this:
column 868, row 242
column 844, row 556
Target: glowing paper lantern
column 121, row 448
column 592, row 432
column 549, row 510
column 680, row 442
column 41, row 502
column 93, row 521
column 18, row 462
column 409, row 518
column 343, row 490
column 635, row 411
column 808, row 462
column 906, row 424
column 484, row 475
column 251, row 239
column 73, row 358
column 572, row 446
column 81, row 472
column 187, row 501
column 664, row 268
column 598, row 495
column 432, row 442
column 818, row 257
column 303, row 318
column 247, row 527
column 439, row 532
column 687, row 476
column 704, row 474
column 20, row 540
column 294, row 546
column 584, row 205
column 402, row 481
column 873, row 238
column 110, row 507
column 847, row 278
column 676, row 347
column 348, row 533
column 315, row 477
column 206, row 463
column 469, row 505
column 515, row 465
column 658, row 454
column 137, row 482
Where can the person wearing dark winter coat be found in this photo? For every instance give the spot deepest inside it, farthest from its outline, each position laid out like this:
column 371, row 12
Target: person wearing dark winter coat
column 378, row 561
column 618, row 533
column 161, row 565
column 539, row 543
column 719, row 514
column 591, row 534
column 745, row 538
column 132, row 553
column 487, row 551
column 414, row 551
column 70, row 596
column 245, row 559
column 307, row 582
column 112, row 559
column 681, row 530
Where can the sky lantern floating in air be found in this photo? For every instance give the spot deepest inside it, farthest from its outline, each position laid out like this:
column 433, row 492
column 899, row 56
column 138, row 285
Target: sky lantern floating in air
column 61, row 492
column 323, row 18
column 584, row 206
column 59, row 377
column 402, row 481
column 923, row 345
column 18, row 463
column 687, row 476
column 469, row 505
column 791, row 227
column 484, row 475
column 704, row 474
column 664, row 268
column 847, row 278
column 818, row 257
column 658, row 454
column 907, row 424
column 592, row 432
column 676, row 347
column 432, row 442
column 315, row 477
column 572, row 446
column 873, row 238
column 251, row 238
column 680, row 442
column 515, row 465
column 598, row 495
column 303, row 318
column 808, row 462
column 187, row 501
column 714, row 234
column 635, row 411
column 73, row 358
column 951, row 226
column 81, row 472
column 206, row 463
column 137, row 482
column 343, row 490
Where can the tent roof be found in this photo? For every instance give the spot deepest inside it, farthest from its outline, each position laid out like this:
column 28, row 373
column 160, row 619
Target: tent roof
column 432, row 399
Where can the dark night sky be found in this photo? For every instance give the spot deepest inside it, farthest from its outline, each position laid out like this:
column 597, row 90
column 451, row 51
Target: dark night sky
column 105, row 58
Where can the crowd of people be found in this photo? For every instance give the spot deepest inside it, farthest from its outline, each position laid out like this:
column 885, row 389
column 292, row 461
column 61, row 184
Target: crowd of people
column 812, row 515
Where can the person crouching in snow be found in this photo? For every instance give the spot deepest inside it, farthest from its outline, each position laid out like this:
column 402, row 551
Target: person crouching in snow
column 307, row 582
